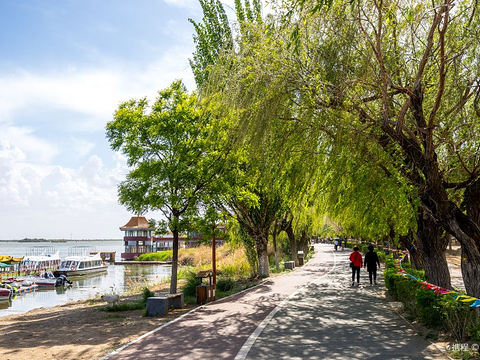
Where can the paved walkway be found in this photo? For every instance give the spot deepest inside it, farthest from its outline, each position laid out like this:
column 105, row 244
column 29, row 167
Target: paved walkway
column 311, row 313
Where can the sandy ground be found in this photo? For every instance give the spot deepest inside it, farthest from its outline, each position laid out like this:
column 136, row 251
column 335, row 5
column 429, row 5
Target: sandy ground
column 77, row 330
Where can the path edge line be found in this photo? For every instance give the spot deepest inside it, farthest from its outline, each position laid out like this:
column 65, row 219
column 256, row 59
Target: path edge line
column 245, row 349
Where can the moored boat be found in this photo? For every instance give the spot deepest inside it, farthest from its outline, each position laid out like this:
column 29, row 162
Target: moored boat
column 81, row 265
column 9, row 266
column 5, row 294
column 45, row 280
column 40, row 262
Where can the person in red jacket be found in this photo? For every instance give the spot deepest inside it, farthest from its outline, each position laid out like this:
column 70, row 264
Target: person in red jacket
column 356, row 263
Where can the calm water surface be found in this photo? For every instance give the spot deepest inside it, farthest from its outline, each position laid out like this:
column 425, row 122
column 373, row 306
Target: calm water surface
column 117, row 279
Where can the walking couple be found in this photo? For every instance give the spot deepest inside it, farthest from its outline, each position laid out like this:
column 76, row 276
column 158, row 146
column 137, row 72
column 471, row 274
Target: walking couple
column 371, row 261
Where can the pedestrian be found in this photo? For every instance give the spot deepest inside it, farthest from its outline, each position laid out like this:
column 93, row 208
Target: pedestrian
column 356, row 263
column 371, row 262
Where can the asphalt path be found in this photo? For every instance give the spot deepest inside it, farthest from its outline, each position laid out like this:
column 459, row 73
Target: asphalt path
column 329, row 319
column 310, row 313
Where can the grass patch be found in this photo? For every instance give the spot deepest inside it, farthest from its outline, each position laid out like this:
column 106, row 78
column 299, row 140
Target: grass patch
column 125, row 306
column 114, row 316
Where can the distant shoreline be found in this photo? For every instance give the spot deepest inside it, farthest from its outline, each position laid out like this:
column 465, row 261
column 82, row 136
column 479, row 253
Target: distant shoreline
column 56, row 240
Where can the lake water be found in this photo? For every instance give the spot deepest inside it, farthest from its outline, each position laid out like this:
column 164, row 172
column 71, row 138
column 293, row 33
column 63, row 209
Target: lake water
column 118, row 279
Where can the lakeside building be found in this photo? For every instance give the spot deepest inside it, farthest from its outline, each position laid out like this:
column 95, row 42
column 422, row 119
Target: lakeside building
column 139, row 239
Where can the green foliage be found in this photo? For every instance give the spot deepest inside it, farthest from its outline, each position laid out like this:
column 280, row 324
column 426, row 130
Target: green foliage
column 435, row 311
column 459, row 318
column 212, row 36
column 250, row 250
column 124, row 306
column 372, row 102
column 146, row 293
column 225, row 284
column 165, row 255
column 474, row 332
column 177, row 154
column 430, row 308
column 189, row 289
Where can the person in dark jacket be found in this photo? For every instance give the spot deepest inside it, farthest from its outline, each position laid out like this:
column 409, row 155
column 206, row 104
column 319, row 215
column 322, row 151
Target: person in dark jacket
column 355, row 264
column 371, row 262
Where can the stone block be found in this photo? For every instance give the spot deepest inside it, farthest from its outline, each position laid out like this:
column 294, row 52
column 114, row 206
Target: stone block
column 157, row 306
column 176, row 301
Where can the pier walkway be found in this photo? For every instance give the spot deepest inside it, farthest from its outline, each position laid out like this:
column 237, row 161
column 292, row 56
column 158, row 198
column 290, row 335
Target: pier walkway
column 310, row 313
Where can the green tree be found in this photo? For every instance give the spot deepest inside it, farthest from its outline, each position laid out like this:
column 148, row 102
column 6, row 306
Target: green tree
column 173, row 150
column 212, row 36
column 402, row 75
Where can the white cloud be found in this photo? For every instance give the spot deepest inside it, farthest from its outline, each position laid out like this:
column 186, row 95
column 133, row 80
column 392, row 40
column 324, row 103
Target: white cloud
column 81, row 147
column 40, row 197
column 92, row 93
column 35, row 149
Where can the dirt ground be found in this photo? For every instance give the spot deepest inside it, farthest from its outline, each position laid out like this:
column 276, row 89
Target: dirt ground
column 77, row 330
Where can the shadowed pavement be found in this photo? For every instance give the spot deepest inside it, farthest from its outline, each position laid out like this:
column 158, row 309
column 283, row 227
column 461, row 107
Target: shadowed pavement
column 310, row 313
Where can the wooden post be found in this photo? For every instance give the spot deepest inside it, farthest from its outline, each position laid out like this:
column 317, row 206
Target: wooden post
column 214, row 258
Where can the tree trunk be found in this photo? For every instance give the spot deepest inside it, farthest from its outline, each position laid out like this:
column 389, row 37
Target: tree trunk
column 431, row 246
column 173, row 282
column 274, row 239
column 415, row 258
column 261, row 241
column 293, row 243
column 471, row 204
column 435, row 201
column 304, row 243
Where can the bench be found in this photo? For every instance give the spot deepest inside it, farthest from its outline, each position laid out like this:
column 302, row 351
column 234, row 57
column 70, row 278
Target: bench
column 159, row 305
column 289, row 264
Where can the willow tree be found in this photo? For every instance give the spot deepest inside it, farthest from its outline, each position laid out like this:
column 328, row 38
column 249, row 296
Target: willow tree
column 358, row 68
column 404, row 75
column 250, row 197
column 173, row 151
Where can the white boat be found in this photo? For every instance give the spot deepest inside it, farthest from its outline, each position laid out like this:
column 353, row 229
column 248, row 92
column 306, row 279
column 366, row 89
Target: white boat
column 37, row 264
column 81, row 265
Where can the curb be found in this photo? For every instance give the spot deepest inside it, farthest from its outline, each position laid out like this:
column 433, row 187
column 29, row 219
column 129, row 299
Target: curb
column 441, row 349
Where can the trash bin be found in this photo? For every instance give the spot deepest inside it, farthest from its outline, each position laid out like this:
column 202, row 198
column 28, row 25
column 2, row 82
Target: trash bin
column 201, row 291
column 300, row 258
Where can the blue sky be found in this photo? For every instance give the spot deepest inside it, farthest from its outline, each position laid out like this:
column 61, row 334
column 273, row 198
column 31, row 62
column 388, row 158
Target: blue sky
column 65, row 65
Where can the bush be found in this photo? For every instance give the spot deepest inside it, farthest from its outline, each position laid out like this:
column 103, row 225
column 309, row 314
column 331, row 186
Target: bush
column 435, row 311
column 189, row 289
column 146, row 294
column 430, row 308
column 459, row 317
column 225, row 284
column 125, row 306
column 156, row 256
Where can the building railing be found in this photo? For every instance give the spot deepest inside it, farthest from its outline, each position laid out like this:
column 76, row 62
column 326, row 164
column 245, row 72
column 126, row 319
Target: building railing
column 136, row 238
column 139, row 249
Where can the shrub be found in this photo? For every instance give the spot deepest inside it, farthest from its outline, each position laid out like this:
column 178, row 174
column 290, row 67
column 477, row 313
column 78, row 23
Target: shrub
column 459, row 317
column 125, row 306
column 430, row 308
column 474, row 333
column 225, row 284
column 146, row 294
column 156, row 256
column 189, row 289
column 435, row 311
